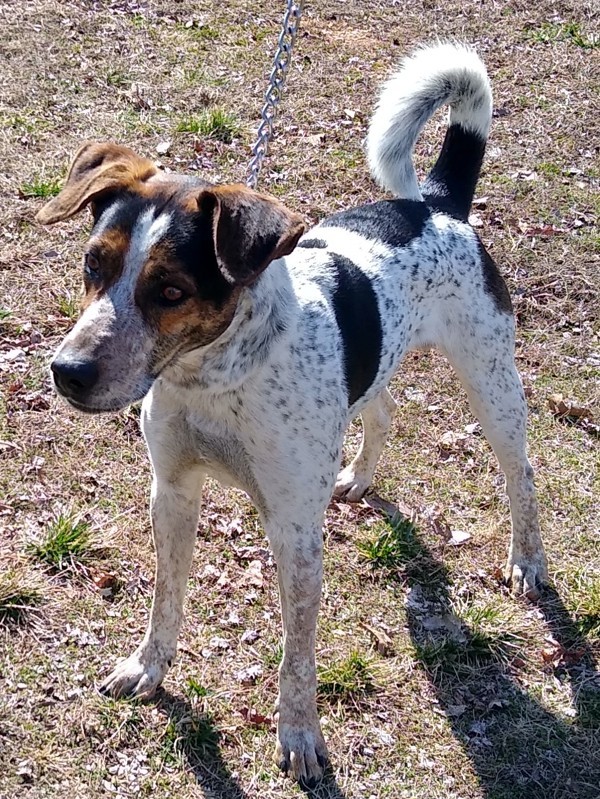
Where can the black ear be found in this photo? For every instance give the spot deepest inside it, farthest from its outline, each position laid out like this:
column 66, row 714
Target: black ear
column 96, row 170
column 249, row 230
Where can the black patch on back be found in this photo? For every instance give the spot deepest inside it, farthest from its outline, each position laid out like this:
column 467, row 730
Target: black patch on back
column 394, row 222
column 494, row 282
column 313, row 244
column 357, row 316
column 450, row 186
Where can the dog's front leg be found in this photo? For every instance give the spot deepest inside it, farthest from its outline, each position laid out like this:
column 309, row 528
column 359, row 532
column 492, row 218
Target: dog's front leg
column 300, row 749
column 175, row 507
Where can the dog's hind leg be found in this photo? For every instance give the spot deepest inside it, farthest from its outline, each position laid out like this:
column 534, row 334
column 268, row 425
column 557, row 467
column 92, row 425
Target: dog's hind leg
column 482, row 356
column 353, row 481
column 175, row 506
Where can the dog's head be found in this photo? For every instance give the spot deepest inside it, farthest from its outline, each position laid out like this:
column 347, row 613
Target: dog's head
column 163, row 269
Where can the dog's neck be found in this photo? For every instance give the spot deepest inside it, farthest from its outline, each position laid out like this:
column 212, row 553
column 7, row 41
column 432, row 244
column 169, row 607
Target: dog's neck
column 263, row 317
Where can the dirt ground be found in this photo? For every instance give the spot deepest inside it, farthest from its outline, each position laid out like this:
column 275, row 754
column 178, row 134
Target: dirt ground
column 434, row 682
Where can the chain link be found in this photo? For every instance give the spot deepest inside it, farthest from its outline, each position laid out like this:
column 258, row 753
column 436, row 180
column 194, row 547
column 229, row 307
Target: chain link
column 281, row 64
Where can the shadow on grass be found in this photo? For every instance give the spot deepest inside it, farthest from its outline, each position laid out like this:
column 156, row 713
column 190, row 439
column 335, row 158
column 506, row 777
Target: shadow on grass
column 194, row 735
column 518, row 748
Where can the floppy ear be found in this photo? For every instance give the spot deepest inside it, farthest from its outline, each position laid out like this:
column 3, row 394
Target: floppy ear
column 96, row 169
column 249, row 230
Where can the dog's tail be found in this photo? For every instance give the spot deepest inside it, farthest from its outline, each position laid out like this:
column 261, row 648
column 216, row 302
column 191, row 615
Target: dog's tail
column 442, row 74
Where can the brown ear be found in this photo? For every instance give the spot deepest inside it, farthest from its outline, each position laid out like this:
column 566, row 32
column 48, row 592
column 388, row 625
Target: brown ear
column 249, row 230
column 96, row 169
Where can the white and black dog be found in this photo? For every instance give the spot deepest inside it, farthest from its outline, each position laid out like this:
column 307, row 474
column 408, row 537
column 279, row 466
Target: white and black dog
column 254, row 346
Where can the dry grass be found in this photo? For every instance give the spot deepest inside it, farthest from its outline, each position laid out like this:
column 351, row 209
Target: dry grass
column 435, row 682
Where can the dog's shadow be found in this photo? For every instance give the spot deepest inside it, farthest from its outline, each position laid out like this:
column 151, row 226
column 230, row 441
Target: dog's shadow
column 518, row 747
column 196, row 737
column 198, row 740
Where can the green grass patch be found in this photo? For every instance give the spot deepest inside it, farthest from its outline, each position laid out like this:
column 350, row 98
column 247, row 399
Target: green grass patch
column 202, row 33
column 68, row 305
column 350, row 677
column 192, row 735
column 448, row 655
column 551, row 32
column 487, row 640
column 587, row 612
column 588, row 705
column 67, row 541
column 395, row 545
column 214, row 123
column 549, row 168
column 40, row 187
column 116, row 77
column 19, row 593
column 5, row 314
column 273, row 657
column 196, row 690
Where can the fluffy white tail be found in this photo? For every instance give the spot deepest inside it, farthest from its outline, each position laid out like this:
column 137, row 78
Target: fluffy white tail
column 443, row 74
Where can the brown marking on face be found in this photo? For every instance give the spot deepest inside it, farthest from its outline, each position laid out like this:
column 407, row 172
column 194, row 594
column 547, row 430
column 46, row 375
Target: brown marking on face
column 194, row 322
column 109, row 250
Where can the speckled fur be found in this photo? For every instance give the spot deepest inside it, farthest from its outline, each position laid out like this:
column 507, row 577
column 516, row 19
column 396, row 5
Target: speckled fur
column 264, row 406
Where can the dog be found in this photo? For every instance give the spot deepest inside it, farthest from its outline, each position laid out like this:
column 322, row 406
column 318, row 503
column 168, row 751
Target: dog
column 253, row 344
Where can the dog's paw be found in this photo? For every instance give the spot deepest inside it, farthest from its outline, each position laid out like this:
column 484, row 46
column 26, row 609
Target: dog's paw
column 301, row 751
column 139, row 675
column 525, row 575
column 351, row 484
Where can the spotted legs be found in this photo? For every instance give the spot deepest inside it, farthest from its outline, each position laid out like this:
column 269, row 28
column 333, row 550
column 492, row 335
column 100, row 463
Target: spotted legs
column 353, row 481
column 486, row 369
column 300, row 749
column 175, row 505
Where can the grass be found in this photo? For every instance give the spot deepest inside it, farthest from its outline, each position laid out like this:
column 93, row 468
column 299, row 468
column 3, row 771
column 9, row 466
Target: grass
column 19, row 594
column 587, row 610
column 396, row 544
column 67, row 541
column 214, row 123
column 191, row 735
column 433, row 681
column 551, row 32
column 348, row 678
column 69, row 304
column 40, row 187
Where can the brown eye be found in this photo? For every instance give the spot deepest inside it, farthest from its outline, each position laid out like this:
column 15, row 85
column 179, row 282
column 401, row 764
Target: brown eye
column 171, row 294
column 91, row 266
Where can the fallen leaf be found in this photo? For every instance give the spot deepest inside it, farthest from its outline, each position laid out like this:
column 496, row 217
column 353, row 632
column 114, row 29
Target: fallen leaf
column 454, row 711
column 383, row 643
column 254, row 718
column 498, row 574
column 458, row 537
column 253, row 575
column 249, row 675
column 217, row 642
column 250, row 636
column 561, row 407
column 452, row 441
column 106, row 583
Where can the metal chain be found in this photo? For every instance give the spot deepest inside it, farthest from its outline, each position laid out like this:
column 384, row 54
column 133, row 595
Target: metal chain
column 281, row 64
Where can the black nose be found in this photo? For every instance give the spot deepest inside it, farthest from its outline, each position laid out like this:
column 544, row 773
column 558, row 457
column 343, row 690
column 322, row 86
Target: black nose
column 74, row 378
